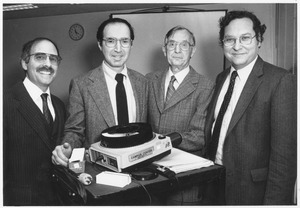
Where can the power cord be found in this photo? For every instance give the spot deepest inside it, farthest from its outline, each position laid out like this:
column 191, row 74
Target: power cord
column 177, row 184
column 137, row 182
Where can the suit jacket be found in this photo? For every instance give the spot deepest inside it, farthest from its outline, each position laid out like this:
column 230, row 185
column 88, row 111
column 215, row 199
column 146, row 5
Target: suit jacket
column 27, row 148
column 90, row 110
column 259, row 151
column 184, row 112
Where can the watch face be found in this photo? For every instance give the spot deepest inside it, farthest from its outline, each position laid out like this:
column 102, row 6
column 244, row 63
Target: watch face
column 76, row 32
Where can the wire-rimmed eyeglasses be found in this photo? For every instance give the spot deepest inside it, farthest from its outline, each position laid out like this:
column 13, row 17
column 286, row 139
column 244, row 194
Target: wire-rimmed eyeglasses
column 112, row 42
column 245, row 40
column 185, row 45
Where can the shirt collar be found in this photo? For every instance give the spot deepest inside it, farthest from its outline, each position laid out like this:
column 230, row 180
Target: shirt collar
column 33, row 90
column 179, row 75
column 111, row 73
column 243, row 73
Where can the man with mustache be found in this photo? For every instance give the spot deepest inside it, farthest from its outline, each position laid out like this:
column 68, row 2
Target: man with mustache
column 33, row 119
column 93, row 97
column 178, row 99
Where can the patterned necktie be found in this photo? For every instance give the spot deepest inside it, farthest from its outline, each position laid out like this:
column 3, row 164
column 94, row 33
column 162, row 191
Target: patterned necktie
column 171, row 88
column 122, row 109
column 212, row 149
column 46, row 110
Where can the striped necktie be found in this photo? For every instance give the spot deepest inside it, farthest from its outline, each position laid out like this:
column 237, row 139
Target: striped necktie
column 171, row 88
column 46, row 110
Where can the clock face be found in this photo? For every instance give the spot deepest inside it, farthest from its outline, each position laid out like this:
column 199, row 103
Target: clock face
column 76, row 32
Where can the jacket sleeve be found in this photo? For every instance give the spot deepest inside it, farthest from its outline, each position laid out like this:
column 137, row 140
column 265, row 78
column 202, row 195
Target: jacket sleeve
column 193, row 139
column 283, row 157
column 74, row 132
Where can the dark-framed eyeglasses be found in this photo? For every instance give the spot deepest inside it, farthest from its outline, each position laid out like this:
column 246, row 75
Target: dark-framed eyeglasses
column 112, row 42
column 244, row 40
column 42, row 58
column 185, row 45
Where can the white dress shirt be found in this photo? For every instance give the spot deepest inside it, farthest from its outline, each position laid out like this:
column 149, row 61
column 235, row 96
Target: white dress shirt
column 111, row 86
column 35, row 94
column 179, row 78
column 240, row 82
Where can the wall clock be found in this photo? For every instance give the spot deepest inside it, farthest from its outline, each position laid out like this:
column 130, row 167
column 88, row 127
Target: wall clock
column 76, row 31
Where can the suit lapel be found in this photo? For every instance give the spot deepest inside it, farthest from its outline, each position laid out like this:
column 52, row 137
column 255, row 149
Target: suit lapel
column 250, row 88
column 32, row 115
column 99, row 92
column 211, row 110
column 159, row 90
column 136, row 84
column 58, row 126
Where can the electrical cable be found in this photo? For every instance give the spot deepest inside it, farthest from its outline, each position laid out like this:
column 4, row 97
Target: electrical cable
column 148, row 194
column 181, row 192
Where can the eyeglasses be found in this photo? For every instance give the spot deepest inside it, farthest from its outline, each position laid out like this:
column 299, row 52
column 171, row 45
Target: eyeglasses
column 245, row 40
column 185, row 45
column 112, row 42
column 42, row 58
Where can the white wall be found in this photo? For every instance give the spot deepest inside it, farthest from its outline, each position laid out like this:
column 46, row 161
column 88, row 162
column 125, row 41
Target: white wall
column 81, row 56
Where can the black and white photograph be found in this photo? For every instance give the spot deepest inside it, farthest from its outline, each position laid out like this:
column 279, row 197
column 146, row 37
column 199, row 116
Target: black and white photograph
column 149, row 103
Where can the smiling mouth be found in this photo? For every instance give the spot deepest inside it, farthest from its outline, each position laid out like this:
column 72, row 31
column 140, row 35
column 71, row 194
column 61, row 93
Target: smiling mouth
column 238, row 54
column 46, row 72
column 118, row 57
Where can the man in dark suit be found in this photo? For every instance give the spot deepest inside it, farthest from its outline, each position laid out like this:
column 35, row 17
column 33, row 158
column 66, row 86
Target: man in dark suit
column 29, row 136
column 182, row 109
column 255, row 137
column 93, row 97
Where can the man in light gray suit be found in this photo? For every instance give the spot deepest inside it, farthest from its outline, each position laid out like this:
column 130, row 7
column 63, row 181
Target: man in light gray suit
column 92, row 103
column 181, row 109
column 257, row 139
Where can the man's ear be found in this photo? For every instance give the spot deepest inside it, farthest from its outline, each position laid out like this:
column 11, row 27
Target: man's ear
column 259, row 44
column 193, row 51
column 99, row 46
column 164, row 50
column 24, row 64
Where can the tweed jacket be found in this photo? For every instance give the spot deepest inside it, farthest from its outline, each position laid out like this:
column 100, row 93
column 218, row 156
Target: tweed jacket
column 260, row 148
column 184, row 112
column 90, row 110
column 27, row 148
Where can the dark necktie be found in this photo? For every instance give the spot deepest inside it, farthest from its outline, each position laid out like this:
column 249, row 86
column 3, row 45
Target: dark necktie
column 46, row 110
column 171, row 88
column 212, row 149
column 122, row 110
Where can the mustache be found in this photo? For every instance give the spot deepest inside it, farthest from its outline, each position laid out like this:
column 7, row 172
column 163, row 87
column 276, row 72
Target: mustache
column 45, row 68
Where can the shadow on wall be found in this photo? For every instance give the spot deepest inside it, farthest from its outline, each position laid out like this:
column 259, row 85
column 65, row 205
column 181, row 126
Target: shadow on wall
column 90, row 57
column 93, row 57
column 208, row 58
column 12, row 75
column 157, row 61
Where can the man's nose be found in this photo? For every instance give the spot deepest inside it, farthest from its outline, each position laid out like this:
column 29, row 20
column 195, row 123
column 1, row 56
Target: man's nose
column 177, row 48
column 47, row 62
column 237, row 45
column 118, row 46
